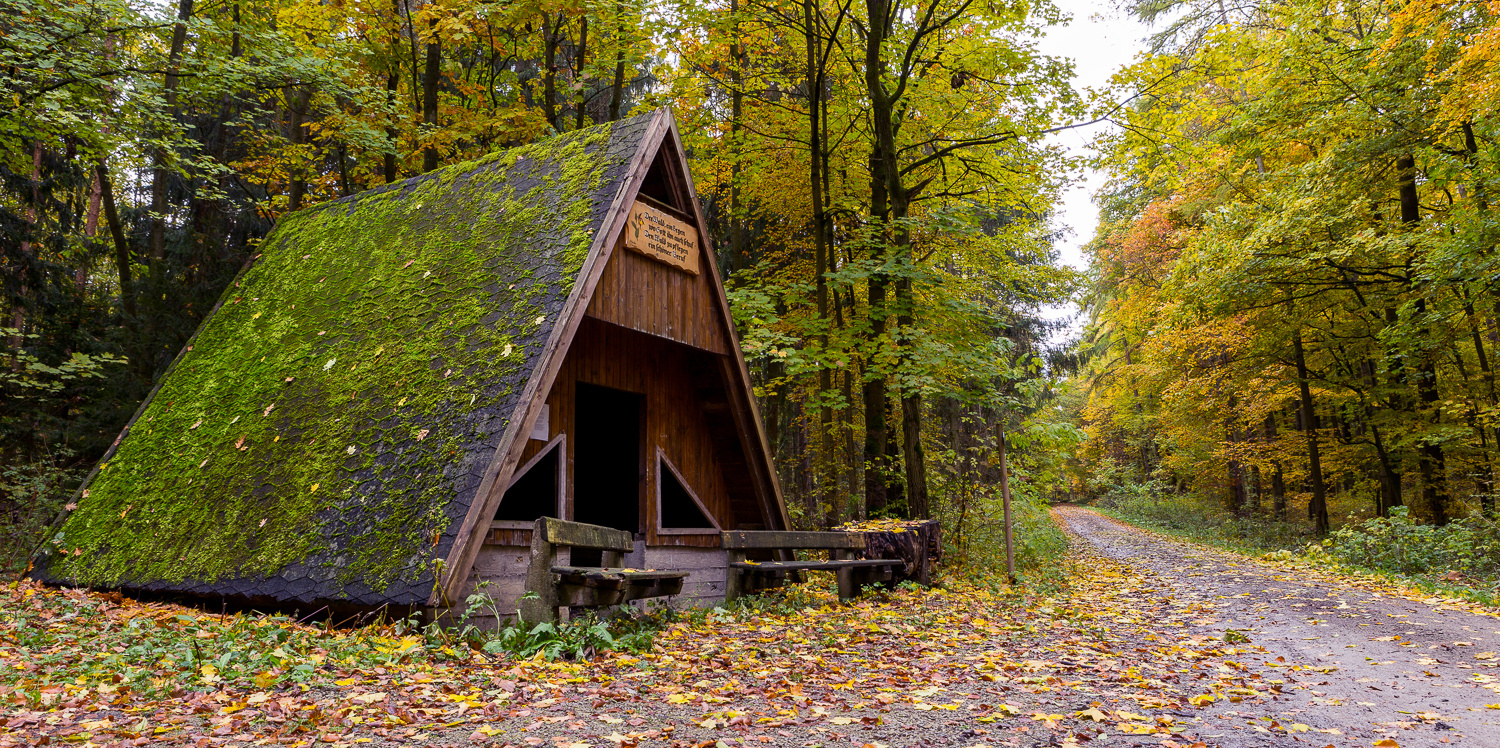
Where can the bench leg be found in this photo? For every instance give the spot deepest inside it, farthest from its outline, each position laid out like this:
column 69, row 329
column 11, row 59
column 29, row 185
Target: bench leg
column 734, row 579
column 543, row 606
column 847, row 590
column 863, row 577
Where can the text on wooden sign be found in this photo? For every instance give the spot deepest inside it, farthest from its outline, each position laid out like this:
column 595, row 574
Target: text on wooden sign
column 662, row 237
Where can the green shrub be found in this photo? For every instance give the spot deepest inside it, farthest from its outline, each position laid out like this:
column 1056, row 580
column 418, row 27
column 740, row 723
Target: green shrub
column 575, row 640
column 1397, row 544
column 974, row 535
column 621, row 628
column 32, row 495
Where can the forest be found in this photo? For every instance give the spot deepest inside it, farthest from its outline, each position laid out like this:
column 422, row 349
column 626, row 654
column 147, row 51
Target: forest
column 1250, row 438
column 1288, row 315
column 875, row 175
column 1292, row 297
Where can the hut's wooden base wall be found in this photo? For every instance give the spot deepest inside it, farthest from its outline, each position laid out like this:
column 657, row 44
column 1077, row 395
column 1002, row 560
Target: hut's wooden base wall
column 707, row 570
column 500, row 573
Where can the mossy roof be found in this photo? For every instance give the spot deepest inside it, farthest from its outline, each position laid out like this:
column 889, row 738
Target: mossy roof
column 327, row 429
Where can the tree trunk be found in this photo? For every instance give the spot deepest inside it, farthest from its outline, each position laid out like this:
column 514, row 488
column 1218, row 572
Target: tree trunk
column 583, row 48
column 1487, row 482
column 157, row 239
column 297, row 103
column 117, row 233
column 617, row 89
column 429, row 97
column 345, row 189
column 1258, row 507
column 877, row 462
column 813, row 79
column 18, row 315
column 1278, row 482
column 1010, row 544
column 1235, row 470
column 1317, row 509
column 549, row 74
column 916, row 465
column 1431, row 461
column 882, row 119
column 850, row 455
column 736, row 122
column 392, row 81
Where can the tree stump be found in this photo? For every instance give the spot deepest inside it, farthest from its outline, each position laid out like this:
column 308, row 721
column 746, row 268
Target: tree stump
column 916, row 542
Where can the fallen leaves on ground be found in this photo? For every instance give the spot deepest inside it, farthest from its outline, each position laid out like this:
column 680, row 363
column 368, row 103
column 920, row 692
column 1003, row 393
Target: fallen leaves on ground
column 972, row 658
column 1112, row 653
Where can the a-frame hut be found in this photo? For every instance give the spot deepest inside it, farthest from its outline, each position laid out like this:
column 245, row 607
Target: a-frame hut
column 403, row 380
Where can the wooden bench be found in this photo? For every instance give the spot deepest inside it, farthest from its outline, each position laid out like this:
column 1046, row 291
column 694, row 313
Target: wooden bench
column 557, row 585
column 853, row 573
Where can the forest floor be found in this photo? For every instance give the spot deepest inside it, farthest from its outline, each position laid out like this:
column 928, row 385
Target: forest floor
column 1152, row 642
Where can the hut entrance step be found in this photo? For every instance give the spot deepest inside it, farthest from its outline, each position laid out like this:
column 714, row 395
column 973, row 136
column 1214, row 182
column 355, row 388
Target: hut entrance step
column 559, row 585
column 853, row 573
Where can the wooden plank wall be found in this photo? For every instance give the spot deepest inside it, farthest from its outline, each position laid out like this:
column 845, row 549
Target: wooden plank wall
column 684, row 402
column 707, row 570
column 658, row 299
column 610, row 356
column 502, row 570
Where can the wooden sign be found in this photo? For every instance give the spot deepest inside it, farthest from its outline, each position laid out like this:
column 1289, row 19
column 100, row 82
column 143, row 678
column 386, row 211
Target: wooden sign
column 662, row 237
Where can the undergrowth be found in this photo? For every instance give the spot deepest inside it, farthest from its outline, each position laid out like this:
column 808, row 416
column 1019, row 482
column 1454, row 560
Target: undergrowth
column 1461, row 559
column 974, row 538
column 1468, row 547
column 1196, row 518
column 52, row 636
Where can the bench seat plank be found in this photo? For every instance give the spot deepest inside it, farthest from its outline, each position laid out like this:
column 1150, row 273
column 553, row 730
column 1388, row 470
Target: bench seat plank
column 580, row 535
column 814, row 565
column 555, row 585
column 633, row 576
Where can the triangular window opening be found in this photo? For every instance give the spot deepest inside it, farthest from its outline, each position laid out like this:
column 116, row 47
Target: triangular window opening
column 536, row 491
column 679, row 506
column 662, row 182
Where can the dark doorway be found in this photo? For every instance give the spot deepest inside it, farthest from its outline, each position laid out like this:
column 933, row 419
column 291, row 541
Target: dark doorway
column 607, row 461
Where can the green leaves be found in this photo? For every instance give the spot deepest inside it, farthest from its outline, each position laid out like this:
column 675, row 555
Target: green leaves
column 29, row 377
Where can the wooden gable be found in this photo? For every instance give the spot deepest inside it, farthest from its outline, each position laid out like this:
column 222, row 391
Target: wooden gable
column 657, row 298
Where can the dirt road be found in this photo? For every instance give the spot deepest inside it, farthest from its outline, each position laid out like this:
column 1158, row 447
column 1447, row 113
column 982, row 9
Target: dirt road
column 1371, row 666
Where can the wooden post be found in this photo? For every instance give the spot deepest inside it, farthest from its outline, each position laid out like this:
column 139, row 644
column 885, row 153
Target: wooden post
column 847, row 590
column 1010, row 546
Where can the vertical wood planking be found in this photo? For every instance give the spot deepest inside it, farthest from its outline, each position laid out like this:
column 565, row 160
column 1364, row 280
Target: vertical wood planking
column 657, row 299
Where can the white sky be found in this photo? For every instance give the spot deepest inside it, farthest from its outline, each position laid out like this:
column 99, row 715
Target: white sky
column 1100, row 40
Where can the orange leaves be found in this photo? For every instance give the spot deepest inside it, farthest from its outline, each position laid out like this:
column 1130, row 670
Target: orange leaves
column 1145, row 249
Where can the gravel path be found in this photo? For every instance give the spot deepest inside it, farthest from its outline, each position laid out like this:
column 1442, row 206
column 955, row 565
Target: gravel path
column 1371, row 665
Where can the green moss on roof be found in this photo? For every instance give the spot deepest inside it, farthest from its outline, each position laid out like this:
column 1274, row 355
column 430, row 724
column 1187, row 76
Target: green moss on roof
column 326, row 432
